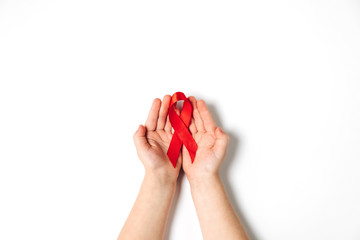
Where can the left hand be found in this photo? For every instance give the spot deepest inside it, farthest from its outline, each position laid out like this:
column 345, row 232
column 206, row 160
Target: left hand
column 152, row 142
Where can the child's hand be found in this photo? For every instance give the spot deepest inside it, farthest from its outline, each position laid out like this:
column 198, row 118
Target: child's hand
column 212, row 144
column 152, row 142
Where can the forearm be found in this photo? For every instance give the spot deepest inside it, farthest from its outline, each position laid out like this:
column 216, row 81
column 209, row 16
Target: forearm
column 217, row 218
column 148, row 217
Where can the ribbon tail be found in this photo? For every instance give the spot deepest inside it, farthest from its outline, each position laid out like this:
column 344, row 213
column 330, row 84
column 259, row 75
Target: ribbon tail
column 174, row 149
column 191, row 147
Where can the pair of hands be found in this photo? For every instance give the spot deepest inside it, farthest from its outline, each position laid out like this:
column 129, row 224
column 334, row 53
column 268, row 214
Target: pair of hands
column 152, row 142
column 148, row 217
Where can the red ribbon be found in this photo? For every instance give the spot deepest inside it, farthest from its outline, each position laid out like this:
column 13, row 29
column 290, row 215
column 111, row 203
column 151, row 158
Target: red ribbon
column 181, row 124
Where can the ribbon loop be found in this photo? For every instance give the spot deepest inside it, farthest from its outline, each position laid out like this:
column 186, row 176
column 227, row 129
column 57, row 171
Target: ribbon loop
column 182, row 135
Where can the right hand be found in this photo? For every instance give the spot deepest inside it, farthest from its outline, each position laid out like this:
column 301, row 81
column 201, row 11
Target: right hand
column 212, row 144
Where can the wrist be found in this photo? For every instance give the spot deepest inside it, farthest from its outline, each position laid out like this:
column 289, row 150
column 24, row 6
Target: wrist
column 204, row 180
column 160, row 180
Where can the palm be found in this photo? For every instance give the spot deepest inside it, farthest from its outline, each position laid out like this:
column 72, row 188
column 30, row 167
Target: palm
column 205, row 159
column 159, row 141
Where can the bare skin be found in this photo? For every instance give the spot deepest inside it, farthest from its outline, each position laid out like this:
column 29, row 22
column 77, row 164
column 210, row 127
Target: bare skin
column 148, row 217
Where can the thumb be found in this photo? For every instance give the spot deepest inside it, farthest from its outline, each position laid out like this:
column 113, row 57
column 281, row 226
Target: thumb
column 140, row 138
column 221, row 143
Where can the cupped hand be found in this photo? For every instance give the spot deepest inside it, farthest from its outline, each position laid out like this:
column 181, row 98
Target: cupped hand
column 212, row 144
column 152, row 142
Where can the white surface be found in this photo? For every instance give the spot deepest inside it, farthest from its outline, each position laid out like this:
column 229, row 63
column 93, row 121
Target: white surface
column 77, row 77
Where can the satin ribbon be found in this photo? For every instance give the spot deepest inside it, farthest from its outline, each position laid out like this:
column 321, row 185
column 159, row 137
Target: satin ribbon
column 182, row 135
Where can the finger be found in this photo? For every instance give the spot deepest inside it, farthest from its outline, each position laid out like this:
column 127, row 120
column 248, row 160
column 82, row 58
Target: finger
column 168, row 126
column 196, row 115
column 192, row 127
column 152, row 118
column 164, row 109
column 221, row 143
column 209, row 123
column 140, row 139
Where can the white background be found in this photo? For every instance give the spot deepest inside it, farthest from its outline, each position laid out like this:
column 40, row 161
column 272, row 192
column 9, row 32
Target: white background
column 281, row 77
